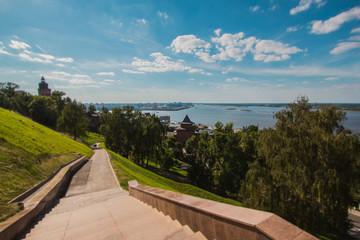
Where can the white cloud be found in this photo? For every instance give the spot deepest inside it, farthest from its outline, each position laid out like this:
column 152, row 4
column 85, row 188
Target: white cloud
column 237, row 79
column 273, row 7
column 305, row 82
column 255, row 8
column 2, row 49
column 109, row 80
column 356, row 30
column 305, row 5
column 344, row 47
column 331, row 78
column 292, row 29
column 163, row 15
column 162, row 63
column 280, row 85
column 132, row 71
column 233, row 46
column 334, row 23
column 217, row 32
column 143, row 21
column 27, row 57
column 192, row 44
column 189, row 44
column 105, row 73
column 355, row 38
column 65, row 60
column 269, row 50
column 60, row 65
column 72, row 79
column 18, row 45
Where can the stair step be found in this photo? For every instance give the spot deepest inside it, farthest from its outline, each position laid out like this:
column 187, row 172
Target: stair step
column 196, row 236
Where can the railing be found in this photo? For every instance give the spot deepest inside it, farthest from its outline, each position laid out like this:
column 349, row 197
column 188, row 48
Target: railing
column 218, row 220
column 39, row 202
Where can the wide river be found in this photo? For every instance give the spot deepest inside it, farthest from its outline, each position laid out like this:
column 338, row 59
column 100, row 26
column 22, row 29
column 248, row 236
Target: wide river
column 241, row 116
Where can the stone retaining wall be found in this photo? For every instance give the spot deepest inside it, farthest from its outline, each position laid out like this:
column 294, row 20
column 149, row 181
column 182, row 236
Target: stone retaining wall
column 218, row 220
column 39, row 202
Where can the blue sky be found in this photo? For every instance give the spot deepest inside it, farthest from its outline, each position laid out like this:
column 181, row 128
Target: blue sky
column 191, row 51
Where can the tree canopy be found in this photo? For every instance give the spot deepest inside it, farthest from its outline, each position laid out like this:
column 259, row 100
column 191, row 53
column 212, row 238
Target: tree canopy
column 73, row 120
column 306, row 170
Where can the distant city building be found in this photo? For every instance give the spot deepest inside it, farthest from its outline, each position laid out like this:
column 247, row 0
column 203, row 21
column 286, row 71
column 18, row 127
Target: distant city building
column 43, row 88
column 185, row 131
column 165, row 119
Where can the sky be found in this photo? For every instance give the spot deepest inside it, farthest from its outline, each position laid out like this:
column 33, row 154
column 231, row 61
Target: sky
column 117, row 51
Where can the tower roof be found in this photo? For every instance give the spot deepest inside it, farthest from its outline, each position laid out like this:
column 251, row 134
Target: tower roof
column 43, row 79
column 187, row 119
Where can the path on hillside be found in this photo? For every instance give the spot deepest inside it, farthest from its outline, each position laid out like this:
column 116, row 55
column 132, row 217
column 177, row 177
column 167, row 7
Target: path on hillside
column 95, row 207
column 96, row 175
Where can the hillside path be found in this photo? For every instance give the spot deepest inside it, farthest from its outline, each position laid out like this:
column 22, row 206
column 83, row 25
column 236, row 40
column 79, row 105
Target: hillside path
column 95, row 207
column 96, row 175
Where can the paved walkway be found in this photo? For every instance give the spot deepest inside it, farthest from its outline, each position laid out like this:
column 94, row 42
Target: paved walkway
column 354, row 216
column 95, row 207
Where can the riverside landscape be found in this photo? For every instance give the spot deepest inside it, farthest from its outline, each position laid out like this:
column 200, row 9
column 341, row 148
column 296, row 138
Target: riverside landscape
column 241, row 115
column 252, row 103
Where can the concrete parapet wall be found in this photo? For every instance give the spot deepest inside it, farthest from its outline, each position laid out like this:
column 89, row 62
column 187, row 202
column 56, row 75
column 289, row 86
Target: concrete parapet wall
column 39, row 202
column 218, row 220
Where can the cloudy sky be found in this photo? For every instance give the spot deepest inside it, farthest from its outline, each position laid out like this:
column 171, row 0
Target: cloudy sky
column 189, row 50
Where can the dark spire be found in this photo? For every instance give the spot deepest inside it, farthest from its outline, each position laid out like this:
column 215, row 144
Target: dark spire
column 187, row 119
column 42, row 79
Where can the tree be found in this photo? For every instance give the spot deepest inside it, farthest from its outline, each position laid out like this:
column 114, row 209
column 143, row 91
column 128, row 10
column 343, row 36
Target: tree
column 73, row 120
column 91, row 109
column 57, row 96
column 7, row 94
column 44, row 110
column 306, row 170
column 21, row 103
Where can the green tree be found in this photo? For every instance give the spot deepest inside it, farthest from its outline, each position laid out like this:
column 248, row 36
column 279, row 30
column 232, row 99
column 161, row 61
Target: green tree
column 44, row 110
column 7, row 94
column 91, row 109
column 306, row 170
column 21, row 103
column 73, row 120
column 57, row 96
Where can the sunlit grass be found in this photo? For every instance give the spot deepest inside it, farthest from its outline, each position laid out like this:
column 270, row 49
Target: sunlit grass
column 92, row 138
column 29, row 153
column 127, row 170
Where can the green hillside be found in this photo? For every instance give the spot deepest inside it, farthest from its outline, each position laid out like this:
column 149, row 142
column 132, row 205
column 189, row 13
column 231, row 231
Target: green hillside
column 29, row 153
column 126, row 170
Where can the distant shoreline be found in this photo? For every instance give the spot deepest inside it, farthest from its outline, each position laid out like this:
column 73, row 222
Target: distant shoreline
column 352, row 107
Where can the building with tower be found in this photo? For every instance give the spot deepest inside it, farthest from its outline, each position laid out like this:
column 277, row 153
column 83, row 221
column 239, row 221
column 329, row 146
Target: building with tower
column 44, row 89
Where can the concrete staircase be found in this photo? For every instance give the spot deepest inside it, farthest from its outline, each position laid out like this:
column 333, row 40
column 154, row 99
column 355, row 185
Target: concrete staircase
column 108, row 214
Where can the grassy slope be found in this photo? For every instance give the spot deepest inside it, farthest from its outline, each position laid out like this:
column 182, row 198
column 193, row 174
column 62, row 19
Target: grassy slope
column 92, row 138
column 127, row 170
column 29, row 153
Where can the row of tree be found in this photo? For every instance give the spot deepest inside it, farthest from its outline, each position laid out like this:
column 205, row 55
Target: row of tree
column 54, row 111
column 138, row 137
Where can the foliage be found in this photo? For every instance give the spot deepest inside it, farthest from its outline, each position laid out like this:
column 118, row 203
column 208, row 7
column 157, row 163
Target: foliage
column 7, row 94
column 127, row 170
column 91, row 109
column 29, row 153
column 305, row 171
column 132, row 134
column 73, row 120
column 21, row 103
column 44, row 110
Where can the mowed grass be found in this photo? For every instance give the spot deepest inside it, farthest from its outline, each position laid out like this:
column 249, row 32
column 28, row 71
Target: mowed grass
column 29, row 153
column 126, row 171
column 92, row 138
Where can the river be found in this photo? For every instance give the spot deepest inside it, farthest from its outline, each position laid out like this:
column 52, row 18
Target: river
column 241, row 116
